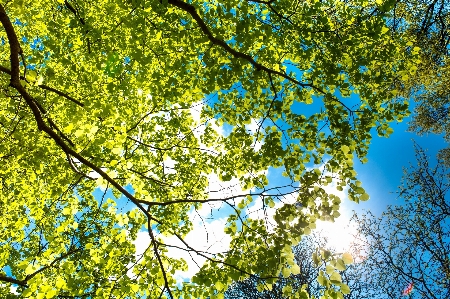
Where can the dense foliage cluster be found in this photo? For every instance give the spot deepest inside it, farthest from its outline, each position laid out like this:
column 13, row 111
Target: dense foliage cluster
column 428, row 23
column 134, row 97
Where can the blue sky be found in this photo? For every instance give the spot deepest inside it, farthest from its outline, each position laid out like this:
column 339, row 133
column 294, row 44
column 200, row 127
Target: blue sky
column 387, row 156
column 382, row 174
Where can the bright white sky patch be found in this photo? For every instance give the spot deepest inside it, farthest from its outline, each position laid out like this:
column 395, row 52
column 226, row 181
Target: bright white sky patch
column 338, row 233
column 208, row 232
column 209, row 221
column 196, row 110
column 253, row 128
column 206, row 236
column 169, row 165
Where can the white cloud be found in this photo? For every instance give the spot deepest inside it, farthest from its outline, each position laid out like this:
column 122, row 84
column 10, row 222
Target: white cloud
column 253, row 128
column 13, row 290
column 207, row 235
column 142, row 242
column 196, row 110
column 169, row 165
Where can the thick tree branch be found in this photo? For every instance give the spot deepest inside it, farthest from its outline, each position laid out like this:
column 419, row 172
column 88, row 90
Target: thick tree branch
column 72, row 165
column 13, row 44
column 13, row 280
column 60, row 93
column 52, row 124
column 75, row 12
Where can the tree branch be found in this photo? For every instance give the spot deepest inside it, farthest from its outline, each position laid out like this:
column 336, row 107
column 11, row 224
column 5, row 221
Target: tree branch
column 189, row 8
column 158, row 256
column 43, row 86
column 15, row 83
column 13, row 280
column 63, row 256
column 60, row 93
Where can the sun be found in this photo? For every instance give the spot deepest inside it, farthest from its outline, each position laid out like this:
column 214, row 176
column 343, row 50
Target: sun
column 339, row 234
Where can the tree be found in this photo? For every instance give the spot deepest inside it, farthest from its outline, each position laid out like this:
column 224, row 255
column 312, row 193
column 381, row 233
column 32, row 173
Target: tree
column 103, row 96
column 310, row 270
column 410, row 243
column 427, row 22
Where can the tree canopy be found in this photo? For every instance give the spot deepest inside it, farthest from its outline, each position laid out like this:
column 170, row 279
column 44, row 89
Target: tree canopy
column 152, row 100
column 428, row 22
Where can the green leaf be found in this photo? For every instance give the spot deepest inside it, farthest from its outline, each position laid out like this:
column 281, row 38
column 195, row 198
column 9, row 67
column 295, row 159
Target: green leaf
column 286, row 272
column 30, row 269
column 219, row 286
column 329, row 269
column 364, row 196
column 345, row 149
column 295, row 269
column 315, row 259
column 322, row 280
column 340, row 265
column 31, row 76
column 134, row 287
column 335, row 278
column 27, row 293
column 347, row 258
column 326, row 253
column 60, row 282
column 345, row 289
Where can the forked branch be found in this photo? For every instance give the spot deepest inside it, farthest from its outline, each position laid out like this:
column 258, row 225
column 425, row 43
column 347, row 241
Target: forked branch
column 34, row 106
